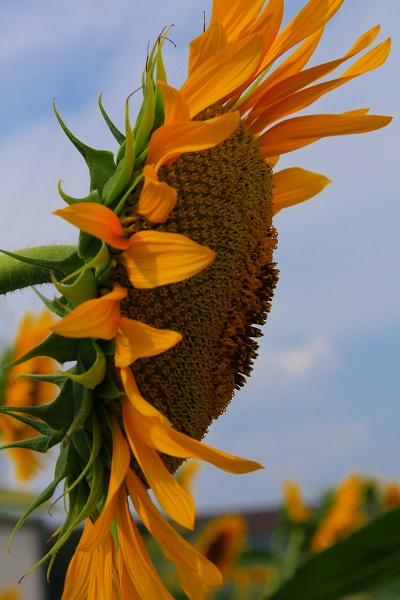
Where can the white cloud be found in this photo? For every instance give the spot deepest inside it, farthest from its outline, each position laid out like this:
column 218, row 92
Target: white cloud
column 317, row 354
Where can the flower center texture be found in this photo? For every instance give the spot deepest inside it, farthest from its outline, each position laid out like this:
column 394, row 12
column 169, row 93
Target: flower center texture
column 224, row 203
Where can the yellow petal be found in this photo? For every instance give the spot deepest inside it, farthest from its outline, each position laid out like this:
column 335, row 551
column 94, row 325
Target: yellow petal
column 157, row 258
column 298, row 132
column 119, row 465
column 157, row 198
column 175, row 105
column 174, row 500
column 140, row 568
column 137, row 340
column 224, row 74
column 78, row 575
column 192, row 587
column 206, row 45
column 295, row 185
column 284, row 98
column 154, row 430
column 97, row 318
column 312, row 17
column 97, row 220
column 174, row 547
column 169, row 141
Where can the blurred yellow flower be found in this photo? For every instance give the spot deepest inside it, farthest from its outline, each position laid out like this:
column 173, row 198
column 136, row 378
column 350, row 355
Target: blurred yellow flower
column 32, row 330
column 294, row 505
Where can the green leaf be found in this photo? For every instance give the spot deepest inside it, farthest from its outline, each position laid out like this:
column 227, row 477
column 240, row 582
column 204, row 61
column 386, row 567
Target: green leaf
column 41, row 443
column 108, row 389
column 32, row 266
column 100, row 163
column 55, row 346
column 366, row 560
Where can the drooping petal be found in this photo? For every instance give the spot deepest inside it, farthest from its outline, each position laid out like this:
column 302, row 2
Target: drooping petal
column 140, row 568
column 206, row 45
column 137, row 340
column 174, row 500
column 298, row 132
column 157, row 258
column 97, row 220
column 157, row 198
column 78, row 575
column 295, row 185
column 225, row 73
column 175, row 106
column 174, row 547
column 119, row 466
column 170, row 141
column 96, row 318
column 155, row 430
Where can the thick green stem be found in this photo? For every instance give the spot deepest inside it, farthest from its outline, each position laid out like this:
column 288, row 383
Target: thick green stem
column 16, row 273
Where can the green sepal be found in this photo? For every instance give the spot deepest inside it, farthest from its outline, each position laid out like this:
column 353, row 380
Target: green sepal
column 58, row 380
column 83, row 402
column 38, row 426
column 55, row 346
column 63, row 465
column 108, row 346
column 121, row 176
column 116, row 132
column 146, row 122
column 95, row 446
column 91, row 197
column 41, row 443
column 58, row 306
column 130, row 189
column 82, row 289
column 32, row 266
column 96, row 371
column 161, row 75
column 74, row 520
column 108, row 389
column 100, row 260
column 100, row 163
column 58, row 414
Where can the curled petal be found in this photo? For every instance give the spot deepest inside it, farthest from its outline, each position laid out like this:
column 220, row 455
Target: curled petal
column 97, row 318
column 137, row 340
column 175, row 106
column 295, row 185
column 155, row 430
column 157, row 198
column 174, row 547
column 170, row 141
column 174, row 500
column 157, row 258
column 97, row 220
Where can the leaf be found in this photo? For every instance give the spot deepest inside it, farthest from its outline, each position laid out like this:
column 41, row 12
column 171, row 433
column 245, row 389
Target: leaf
column 82, row 289
column 116, row 132
column 366, row 560
column 95, row 372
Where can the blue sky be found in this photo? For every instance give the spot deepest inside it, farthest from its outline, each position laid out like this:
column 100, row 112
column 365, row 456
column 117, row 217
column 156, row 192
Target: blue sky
column 324, row 397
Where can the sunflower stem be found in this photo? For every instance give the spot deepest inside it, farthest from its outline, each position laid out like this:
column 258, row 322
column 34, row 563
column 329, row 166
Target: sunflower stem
column 33, row 266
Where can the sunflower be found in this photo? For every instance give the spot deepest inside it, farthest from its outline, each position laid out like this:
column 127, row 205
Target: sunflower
column 19, row 390
column 9, row 593
column 294, row 506
column 173, row 272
